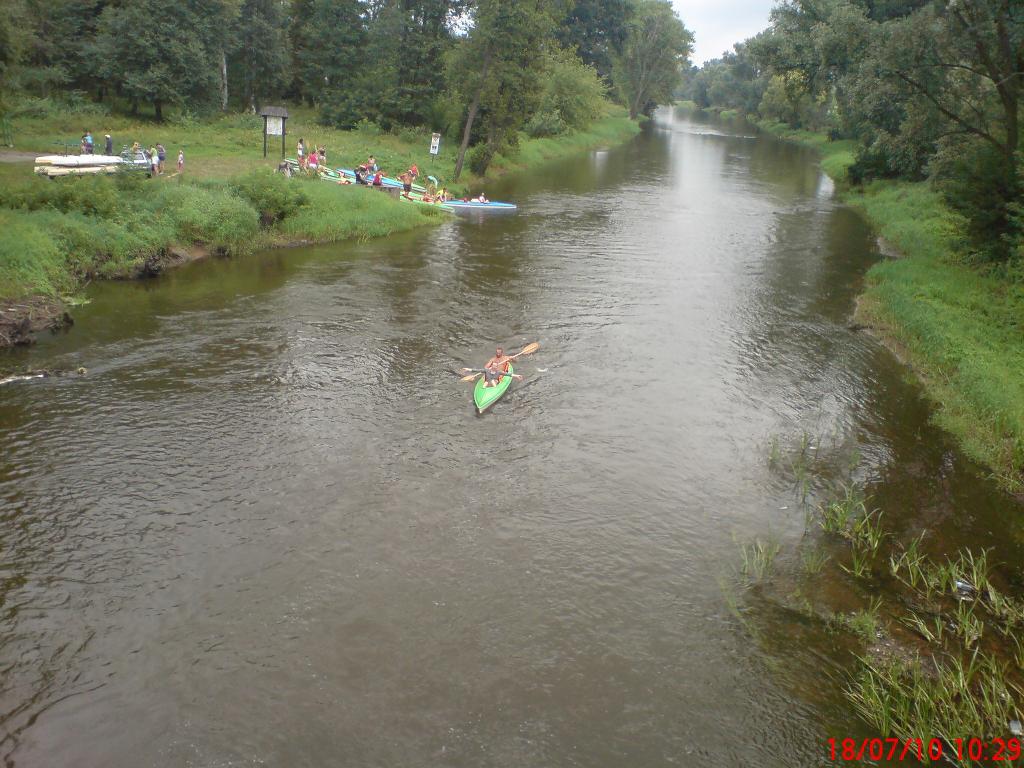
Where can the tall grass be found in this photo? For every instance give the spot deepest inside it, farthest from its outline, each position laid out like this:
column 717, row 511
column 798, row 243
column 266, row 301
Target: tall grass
column 912, row 698
column 59, row 233
column 958, row 327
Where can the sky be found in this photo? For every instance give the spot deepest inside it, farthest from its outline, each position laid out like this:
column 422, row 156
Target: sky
column 718, row 24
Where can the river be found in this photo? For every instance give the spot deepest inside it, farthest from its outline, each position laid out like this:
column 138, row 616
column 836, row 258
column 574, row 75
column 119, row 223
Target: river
column 267, row 527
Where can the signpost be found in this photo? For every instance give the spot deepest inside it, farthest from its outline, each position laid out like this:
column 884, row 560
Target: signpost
column 435, row 143
column 274, row 119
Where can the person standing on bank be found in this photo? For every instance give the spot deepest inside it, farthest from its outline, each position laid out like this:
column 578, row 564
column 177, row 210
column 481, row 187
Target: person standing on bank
column 108, row 147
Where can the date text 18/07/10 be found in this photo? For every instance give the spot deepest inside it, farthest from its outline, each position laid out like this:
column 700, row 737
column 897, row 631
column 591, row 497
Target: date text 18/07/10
column 1006, row 751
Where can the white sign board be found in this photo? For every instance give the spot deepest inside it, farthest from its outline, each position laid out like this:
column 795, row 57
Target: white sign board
column 275, row 126
column 435, row 143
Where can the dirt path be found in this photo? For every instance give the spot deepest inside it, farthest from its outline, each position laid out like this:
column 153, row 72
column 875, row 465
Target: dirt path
column 11, row 156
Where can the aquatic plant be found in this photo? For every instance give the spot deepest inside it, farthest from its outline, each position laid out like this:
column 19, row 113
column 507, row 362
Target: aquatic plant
column 919, row 698
column 838, row 515
column 758, row 558
column 813, row 560
column 933, row 631
column 908, row 565
column 860, row 564
column 865, row 624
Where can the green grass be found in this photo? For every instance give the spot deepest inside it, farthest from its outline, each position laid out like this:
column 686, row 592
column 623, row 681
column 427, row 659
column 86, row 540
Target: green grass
column 958, row 327
column 532, row 153
column 227, row 146
column 58, row 234
column 341, row 212
column 908, row 698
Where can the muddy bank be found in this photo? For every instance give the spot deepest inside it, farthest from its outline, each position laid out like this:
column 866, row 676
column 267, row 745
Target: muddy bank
column 21, row 319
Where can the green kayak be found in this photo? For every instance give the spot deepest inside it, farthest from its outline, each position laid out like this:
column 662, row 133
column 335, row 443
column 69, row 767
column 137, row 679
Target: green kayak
column 485, row 397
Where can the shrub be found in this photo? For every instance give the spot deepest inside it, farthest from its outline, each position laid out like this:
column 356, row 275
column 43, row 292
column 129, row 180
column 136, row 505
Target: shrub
column 215, row 217
column 271, row 194
column 573, row 96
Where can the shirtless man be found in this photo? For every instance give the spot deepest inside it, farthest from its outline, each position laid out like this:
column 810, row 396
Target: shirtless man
column 496, row 367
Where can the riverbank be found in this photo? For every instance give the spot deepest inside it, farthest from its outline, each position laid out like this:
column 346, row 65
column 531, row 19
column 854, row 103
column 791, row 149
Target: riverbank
column 957, row 326
column 228, row 202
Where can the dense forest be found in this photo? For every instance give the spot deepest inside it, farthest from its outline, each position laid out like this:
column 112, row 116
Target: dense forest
column 929, row 89
column 479, row 70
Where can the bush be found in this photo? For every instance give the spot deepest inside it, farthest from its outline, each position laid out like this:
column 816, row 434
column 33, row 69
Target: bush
column 573, row 96
column 92, row 195
column 480, row 158
column 978, row 183
column 271, row 194
column 545, row 123
column 218, row 218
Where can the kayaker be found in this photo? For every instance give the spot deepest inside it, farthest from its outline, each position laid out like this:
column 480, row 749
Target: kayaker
column 482, row 199
column 497, row 367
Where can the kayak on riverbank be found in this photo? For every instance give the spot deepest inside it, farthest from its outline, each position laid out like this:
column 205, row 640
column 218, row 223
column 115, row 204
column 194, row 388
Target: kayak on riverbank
column 418, row 194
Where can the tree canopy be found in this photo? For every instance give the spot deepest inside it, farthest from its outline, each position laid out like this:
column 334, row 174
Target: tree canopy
column 928, row 88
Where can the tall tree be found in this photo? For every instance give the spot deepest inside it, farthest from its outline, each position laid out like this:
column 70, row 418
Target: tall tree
column 328, row 37
column 656, row 49
column 494, row 71
column 178, row 59
column 259, row 62
column 597, row 29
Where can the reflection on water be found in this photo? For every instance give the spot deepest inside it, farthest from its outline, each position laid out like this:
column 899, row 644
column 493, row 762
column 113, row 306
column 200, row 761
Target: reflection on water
column 268, row 528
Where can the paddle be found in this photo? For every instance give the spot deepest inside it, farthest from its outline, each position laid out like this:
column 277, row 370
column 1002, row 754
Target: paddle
column 529, row 349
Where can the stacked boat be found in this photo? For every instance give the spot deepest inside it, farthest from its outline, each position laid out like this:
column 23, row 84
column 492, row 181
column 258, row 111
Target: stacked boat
column 417, row 195
column 80, row 165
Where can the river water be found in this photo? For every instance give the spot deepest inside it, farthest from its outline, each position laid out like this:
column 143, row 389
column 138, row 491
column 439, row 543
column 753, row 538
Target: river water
column 267, row 528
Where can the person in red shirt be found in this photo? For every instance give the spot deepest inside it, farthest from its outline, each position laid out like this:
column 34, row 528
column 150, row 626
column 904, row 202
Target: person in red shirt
column 378, row 179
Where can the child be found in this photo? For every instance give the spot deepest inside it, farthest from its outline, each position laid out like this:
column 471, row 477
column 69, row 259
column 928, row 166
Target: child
column 181, row 160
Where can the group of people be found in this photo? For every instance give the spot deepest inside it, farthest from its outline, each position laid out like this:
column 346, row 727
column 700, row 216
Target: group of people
column 156, row 156
column 311, row 160
column 88, row 145
column 370, row 174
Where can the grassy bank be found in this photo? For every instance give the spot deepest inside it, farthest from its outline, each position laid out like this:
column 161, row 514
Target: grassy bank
column 223, row 147
column 958, row 327
column 58, row 235
column 62, row 233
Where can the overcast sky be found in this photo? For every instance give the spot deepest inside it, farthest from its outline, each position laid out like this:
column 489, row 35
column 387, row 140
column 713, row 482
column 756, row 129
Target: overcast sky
column 718, row 24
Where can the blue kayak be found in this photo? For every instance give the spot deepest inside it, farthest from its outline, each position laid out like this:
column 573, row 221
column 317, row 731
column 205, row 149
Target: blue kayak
column 476, row 205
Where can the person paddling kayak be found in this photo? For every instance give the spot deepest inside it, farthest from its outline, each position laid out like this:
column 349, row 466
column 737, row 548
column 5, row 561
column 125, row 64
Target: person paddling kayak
column 496, row 367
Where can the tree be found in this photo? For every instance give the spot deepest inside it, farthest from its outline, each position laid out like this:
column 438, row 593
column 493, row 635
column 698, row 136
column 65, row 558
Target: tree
column 259, row 62
column 164, row 53
column 597, row 29
column 495, row 70
column 426, row 37
column 656, row 49
column 328, row 37
column 572, row 95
